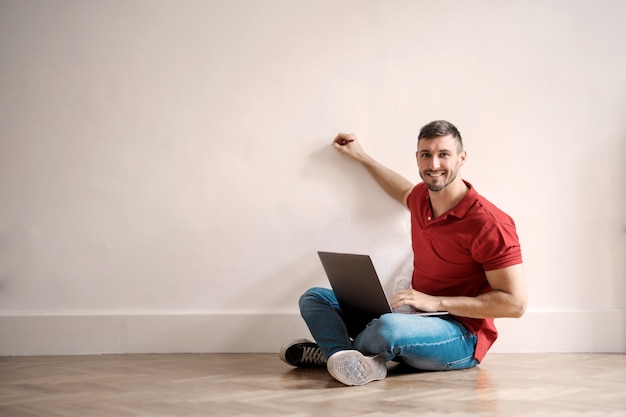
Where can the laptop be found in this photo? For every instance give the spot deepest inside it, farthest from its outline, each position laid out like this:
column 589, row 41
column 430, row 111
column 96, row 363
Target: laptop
column 357, row 287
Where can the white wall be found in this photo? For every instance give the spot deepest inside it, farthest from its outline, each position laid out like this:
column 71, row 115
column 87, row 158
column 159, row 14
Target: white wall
column 166, row 174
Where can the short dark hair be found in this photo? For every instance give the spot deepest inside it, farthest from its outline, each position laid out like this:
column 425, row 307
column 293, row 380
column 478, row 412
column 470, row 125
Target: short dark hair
column 440, row 128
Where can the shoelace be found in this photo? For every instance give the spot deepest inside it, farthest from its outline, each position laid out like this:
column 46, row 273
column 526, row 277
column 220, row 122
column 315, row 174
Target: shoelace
column 313, row 355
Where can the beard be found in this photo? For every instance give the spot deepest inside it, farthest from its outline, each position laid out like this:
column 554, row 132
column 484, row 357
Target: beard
column 451, row 176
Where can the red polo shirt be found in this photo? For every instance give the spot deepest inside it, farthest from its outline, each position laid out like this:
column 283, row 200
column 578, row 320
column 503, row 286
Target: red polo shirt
column 453, row 251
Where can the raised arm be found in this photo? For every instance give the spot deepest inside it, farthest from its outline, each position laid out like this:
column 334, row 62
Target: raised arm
column 393, row 183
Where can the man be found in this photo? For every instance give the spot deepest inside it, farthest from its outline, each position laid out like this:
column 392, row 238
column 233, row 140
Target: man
column 467, row 261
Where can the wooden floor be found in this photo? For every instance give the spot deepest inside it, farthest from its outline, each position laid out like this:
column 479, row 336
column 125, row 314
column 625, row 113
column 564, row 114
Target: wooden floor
column 529, row 385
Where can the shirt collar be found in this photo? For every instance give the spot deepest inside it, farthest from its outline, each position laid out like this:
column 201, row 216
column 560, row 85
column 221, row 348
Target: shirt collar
column 463, row 207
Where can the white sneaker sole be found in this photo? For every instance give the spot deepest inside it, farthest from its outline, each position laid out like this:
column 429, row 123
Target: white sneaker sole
column 351, row 367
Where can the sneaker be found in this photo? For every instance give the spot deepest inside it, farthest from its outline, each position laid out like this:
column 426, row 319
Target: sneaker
column 302, row 353
column 351, row 367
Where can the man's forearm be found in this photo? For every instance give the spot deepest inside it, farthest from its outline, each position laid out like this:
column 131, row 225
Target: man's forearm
column 492, row 304
column 393, row 183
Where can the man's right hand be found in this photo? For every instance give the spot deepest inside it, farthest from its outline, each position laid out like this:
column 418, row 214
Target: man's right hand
column 347, row 144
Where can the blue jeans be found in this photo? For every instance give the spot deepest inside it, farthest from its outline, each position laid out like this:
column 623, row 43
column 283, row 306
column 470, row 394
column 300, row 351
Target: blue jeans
column 427, row 343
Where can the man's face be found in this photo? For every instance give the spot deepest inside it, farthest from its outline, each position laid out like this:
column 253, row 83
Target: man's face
column 438, row 161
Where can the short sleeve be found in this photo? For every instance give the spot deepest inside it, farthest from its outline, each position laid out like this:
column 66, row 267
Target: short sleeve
column 497, row 247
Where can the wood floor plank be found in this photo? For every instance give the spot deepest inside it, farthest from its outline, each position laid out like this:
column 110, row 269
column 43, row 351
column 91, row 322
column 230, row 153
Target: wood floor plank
column 189, row 385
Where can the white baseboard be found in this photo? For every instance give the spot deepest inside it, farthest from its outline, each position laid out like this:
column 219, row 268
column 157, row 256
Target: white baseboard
column 594, row 331
column 537, row 331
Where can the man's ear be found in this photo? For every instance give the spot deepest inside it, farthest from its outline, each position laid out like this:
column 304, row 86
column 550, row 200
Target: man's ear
column 462, row 158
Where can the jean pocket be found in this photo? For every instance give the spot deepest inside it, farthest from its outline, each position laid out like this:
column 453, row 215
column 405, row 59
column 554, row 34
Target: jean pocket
column 464, row 363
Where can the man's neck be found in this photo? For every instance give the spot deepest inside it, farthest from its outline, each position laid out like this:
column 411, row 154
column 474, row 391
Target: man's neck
column 448, row 198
